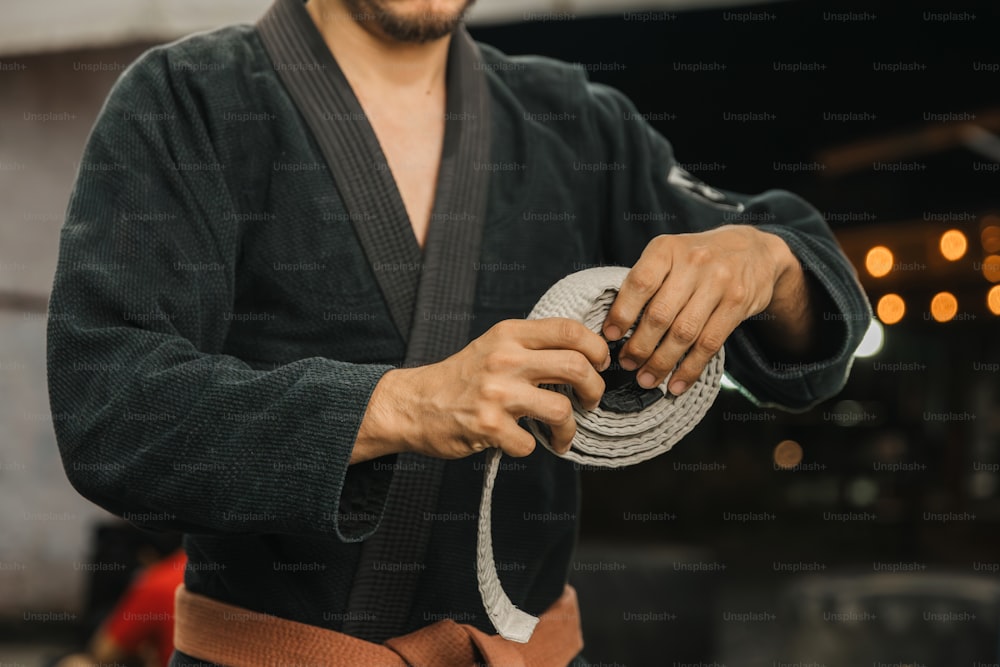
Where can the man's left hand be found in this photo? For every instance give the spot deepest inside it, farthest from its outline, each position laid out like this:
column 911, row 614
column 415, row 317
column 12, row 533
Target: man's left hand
column 693, row 290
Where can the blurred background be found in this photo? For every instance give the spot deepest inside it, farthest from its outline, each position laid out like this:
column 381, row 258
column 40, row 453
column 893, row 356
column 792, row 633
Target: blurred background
column 863, row 531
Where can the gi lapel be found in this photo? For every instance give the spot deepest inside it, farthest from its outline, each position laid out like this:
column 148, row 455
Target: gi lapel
column 361, row 173
column 432, row 305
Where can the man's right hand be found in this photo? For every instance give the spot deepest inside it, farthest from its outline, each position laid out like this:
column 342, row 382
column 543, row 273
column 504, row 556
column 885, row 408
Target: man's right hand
column 473, row 399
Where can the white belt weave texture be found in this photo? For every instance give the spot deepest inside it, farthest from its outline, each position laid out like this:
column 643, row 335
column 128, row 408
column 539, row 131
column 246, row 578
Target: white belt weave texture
column 604, row 438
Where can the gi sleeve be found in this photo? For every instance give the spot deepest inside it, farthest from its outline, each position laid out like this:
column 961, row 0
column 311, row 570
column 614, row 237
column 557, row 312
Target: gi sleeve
column 151, row 419
column 648, row 194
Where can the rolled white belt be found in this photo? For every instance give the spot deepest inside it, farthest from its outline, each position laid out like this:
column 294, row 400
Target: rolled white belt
column 605, row 437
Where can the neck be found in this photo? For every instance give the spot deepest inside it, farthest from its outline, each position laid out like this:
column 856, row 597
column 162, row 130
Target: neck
column 374, row 62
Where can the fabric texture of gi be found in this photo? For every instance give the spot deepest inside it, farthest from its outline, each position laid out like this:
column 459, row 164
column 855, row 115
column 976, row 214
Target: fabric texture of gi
column 444, row 284
column 216, row 329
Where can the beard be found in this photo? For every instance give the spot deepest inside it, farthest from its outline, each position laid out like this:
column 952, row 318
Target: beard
column 414, row 27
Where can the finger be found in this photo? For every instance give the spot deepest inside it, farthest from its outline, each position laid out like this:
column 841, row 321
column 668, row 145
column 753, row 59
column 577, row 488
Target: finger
column 558, row 333
column 641, row 283
column 683, row 333
column 496, row 427
column 554, row 409
column 566, row 367
column 513, row 439
column 562, row 435
column 722, row 323
column 660, row 314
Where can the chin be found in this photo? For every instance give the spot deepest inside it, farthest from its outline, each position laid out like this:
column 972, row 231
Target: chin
column 426, row 8
column 414, row 21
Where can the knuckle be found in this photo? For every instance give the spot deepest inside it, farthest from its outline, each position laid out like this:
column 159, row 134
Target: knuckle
column 690, row 370
column 568, row 332
column 700, row 255
column 562, row 410
column 640, row 281
column 723, row 273
column 563, row 433
column 503, row 328
column 736, row 294
column 710, row 343
column 616, row 316
column 577, row 367
column 684, row 331
column 567, row 411
column 490, row 422
column 657, row 315
column 570, row 431
column 493, row 392
column 636, row 348
column 492, row 361
column 658, row 365
column 498, row 361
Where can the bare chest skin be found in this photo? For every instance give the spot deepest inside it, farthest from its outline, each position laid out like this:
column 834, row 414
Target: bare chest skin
column 411, row 136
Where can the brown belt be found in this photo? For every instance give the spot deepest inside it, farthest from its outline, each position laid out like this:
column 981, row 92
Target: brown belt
column 229, row 635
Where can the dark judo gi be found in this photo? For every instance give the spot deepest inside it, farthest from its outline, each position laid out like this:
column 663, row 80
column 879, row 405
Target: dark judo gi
column 236, row 272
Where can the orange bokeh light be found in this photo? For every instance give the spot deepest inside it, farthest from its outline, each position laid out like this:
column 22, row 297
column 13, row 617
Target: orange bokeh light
column 878, row 261
column 991, row 268
column 993, row 299
column 953, row 245
column 891, row 308
column 990, row 237
column 944, row 306
column 787, row 454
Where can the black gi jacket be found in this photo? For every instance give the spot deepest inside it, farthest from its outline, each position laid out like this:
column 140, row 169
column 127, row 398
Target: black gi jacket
column 216, row 329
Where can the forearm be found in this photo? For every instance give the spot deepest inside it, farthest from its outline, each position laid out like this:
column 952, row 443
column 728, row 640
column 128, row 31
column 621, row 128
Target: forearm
column 789, row 327
column 385, row 423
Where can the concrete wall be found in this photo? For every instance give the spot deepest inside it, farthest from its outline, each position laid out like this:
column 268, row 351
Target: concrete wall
column 45, row 524
column 48, row 104
column 30, row 26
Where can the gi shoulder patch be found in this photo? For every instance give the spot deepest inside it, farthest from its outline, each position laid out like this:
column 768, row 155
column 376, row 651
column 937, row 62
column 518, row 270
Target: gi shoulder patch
column 682, row 180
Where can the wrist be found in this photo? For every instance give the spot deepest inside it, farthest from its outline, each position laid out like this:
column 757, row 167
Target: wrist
column 789, row 333
column 386, row 425
column 781, row 256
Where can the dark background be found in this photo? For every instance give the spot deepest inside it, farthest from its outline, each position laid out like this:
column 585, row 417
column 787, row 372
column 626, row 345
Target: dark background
column 885, row 415
column 882, row 578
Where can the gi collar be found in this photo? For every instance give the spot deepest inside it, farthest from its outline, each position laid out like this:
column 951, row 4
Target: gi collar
column 430, row 305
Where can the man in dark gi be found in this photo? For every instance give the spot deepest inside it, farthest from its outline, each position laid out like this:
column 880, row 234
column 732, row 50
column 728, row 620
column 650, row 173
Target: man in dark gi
column 295, row 266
